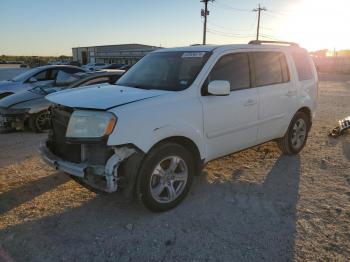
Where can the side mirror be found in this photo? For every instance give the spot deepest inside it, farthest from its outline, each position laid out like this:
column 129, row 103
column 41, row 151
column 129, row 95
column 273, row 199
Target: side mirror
column 32, row 80
column 219, row 88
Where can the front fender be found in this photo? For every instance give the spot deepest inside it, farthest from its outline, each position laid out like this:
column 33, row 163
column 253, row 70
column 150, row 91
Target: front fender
column 179, row 130
column 39, row 106
column 148, row 138
column 145, row 123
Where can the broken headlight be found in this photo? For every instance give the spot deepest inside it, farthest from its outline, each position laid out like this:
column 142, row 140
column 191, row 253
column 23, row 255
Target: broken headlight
column 90, row 124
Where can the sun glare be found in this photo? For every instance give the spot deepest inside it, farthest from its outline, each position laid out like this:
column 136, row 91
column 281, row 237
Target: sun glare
column 318, row 24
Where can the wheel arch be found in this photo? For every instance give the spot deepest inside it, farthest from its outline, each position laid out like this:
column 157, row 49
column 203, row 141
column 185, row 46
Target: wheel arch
column 186, row 143
column 306, row 110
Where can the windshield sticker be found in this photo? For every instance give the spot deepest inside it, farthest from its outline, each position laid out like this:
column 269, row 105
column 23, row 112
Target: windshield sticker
column 193, row 54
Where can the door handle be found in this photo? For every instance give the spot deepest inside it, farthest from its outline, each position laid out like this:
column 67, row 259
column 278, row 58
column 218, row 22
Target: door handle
column 291, row 93
column 250, row 102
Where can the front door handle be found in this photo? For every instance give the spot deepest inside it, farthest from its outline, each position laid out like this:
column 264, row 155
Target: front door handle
column 250, row 102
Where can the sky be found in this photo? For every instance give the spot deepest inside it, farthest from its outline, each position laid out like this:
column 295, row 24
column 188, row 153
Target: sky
column 53, row 27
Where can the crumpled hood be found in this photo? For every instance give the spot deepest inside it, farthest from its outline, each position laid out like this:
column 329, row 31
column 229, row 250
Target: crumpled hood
column 20, row 97
column 102, row 97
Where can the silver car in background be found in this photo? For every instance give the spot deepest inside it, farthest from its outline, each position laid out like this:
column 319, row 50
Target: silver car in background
column 30, row 108
column 34, row 77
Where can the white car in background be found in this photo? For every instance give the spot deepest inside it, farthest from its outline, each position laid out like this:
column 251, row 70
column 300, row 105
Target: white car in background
column 177, row 109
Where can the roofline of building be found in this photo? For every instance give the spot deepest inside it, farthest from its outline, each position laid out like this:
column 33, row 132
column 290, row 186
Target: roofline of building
column 115, row 45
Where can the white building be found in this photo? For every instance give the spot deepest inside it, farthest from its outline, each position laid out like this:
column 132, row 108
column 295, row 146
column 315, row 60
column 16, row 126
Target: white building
column 119, row 54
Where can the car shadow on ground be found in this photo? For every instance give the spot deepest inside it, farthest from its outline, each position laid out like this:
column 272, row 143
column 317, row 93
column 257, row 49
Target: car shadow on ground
column 15, row 197
column 233, row 220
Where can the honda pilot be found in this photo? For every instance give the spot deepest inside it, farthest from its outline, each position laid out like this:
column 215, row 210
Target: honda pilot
column 153, row 130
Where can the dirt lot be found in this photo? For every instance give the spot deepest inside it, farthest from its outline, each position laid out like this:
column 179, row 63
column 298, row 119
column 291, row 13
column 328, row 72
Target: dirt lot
column 256, row 205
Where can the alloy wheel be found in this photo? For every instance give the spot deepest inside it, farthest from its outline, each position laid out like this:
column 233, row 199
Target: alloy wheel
column 168, row 179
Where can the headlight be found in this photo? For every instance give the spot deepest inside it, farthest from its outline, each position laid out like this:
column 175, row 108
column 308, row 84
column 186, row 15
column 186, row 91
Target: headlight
column 90, row 124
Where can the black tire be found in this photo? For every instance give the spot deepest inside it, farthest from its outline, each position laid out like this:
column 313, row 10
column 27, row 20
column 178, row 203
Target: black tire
column 35, row 124
column 151, row 161
column 286, row 144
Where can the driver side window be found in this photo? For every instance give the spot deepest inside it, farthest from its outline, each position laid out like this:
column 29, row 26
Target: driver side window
column 42, row 76
column 233, row 68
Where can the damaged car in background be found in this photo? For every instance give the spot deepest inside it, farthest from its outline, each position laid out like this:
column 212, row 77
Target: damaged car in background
column 38, row 76
column 343, row 126
column 29, row 109
column 177, row 109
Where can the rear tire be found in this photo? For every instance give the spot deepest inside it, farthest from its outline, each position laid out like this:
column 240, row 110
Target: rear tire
column 165, row 177
column 296, row 136
column 39, row 122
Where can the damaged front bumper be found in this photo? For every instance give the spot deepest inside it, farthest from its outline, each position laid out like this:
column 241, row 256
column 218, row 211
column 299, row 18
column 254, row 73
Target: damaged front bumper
column 101, row 177
column 12, row 120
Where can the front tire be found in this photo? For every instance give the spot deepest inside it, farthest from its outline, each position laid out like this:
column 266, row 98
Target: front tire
column 296, row 136
column 39, row 122
column 165, row 177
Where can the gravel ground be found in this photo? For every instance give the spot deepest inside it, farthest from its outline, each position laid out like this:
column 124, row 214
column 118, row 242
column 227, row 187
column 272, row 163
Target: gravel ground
column 257, row 205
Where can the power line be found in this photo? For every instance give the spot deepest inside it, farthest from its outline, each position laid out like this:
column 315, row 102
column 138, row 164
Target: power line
column 250, row 28
column 227, row 7
column 269, row 37
column 212, row 30
column 230, row 36
column 226, row 31
column 259, row 9
column 205, row 13
column 229, row 29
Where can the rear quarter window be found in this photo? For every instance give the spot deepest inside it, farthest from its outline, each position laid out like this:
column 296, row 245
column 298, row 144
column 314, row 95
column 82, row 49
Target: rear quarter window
column 303, row 66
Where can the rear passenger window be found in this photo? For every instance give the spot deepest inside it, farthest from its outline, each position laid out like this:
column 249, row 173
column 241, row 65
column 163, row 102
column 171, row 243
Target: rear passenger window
column 303, row 66
column 233, row 68
column 270, row 68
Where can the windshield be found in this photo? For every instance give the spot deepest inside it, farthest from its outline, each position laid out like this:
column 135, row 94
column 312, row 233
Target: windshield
column 47, row 89
column 170, row 71
column 63, row 80
column 24, row 76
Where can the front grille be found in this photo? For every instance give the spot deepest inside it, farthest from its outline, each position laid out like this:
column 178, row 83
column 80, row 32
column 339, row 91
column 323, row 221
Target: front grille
column 57, row 138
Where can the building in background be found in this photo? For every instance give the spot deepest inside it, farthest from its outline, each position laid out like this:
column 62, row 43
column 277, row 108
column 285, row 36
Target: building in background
column 110, row 54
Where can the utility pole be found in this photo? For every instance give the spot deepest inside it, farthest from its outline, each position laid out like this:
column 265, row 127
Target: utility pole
column 259, row 9
column 205, row 13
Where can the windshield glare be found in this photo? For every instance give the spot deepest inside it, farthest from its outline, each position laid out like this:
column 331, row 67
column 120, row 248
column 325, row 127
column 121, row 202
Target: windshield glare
column 170, row 71
column 24, row 76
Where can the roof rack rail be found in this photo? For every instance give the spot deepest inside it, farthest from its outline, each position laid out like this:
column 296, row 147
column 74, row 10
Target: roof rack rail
column 259, row 42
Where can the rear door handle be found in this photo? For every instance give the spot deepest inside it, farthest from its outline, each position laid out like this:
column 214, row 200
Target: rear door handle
column 250, row 102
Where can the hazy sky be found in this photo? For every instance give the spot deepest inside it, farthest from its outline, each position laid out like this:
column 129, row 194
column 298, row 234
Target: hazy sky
column 53, row 27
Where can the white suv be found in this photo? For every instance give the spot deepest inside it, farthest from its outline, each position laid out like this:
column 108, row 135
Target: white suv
column 177, row 109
